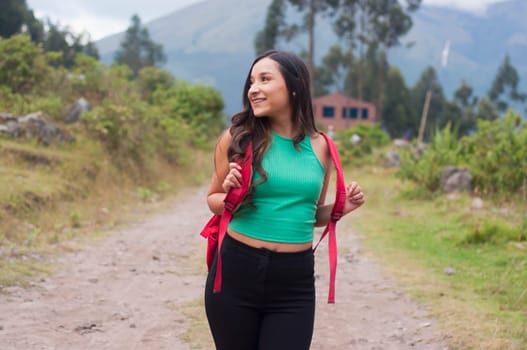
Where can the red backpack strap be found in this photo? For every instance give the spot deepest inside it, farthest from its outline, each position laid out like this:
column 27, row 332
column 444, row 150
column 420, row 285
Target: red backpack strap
column 232, row 200
column 336, row 214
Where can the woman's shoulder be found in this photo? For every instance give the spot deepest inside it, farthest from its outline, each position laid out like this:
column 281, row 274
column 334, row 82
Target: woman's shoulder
column 320, row 147
column 224, row 141
column 225, row 137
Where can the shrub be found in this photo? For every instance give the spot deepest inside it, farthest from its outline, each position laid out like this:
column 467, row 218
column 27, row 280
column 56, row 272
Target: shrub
column 424, row 167
column 24, row 66
column 369, row 138
column 497, row 155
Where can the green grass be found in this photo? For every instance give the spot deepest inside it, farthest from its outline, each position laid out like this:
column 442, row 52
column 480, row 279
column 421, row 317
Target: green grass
column 51, row 197
column 484, row 304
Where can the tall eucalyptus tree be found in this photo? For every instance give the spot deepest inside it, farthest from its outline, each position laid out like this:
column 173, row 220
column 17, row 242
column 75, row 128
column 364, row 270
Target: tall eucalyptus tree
column 380, row 24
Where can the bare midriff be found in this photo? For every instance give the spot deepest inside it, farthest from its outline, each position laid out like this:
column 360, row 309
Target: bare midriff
column 273, row 246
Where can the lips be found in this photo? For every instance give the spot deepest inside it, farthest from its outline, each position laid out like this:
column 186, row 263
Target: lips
column 257, row 100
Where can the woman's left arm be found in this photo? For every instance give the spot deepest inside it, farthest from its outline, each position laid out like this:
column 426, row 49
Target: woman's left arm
column 354, row 199
column 354, row 195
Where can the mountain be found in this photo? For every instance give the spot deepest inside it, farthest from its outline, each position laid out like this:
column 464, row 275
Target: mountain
column 211, row 42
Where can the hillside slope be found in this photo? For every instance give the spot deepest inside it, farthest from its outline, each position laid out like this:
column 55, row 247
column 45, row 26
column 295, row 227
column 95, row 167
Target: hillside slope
column 212, row 42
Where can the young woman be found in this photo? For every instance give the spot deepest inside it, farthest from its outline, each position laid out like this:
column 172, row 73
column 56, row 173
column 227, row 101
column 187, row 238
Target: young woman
column 267, row 300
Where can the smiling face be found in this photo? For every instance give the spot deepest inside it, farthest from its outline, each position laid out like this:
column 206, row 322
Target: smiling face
column 268, row 94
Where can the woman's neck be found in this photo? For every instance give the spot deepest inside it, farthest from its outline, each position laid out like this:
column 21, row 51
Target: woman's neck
column 284, row 129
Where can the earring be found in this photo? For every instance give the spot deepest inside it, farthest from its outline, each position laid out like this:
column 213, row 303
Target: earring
column 294, row 93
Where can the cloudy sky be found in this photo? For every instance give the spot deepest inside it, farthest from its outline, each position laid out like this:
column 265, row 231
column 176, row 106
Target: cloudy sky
column 104, row 17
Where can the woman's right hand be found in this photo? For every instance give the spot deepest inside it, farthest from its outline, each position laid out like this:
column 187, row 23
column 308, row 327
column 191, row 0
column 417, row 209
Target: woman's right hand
column 233, row 178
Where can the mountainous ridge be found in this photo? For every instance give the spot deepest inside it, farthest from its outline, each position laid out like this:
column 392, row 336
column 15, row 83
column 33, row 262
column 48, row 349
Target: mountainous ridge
column 211, row 42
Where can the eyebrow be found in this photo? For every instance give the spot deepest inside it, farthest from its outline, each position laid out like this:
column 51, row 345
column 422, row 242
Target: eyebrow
column 262, row 73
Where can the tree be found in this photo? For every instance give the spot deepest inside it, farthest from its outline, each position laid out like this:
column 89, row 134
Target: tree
column 487, row 110
column 137, row 49
column 275, row 27
column 507, row 79
column 62, row 40
column 463, row 95
column 335, row 65
column 390, row 23
column 16, row 17
column 311, row 9
column 379, row 24
column 428, row 82
column 462, row 110
column 400, row 118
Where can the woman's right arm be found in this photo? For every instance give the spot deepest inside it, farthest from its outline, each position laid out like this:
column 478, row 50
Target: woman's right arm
column 224, row 176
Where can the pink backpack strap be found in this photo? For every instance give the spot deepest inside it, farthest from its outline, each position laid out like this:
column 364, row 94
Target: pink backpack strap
column 336, row 214
column 232, row 200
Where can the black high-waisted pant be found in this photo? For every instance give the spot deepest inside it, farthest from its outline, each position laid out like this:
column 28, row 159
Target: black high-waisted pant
column 267, row 300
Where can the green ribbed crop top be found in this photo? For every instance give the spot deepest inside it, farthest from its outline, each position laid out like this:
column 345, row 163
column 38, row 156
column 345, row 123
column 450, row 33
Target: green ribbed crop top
column 285, row 205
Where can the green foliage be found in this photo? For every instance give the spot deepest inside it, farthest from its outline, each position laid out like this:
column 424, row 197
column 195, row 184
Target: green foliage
column 125, row 129
column 24, row 67
column 138, row 121
column 24, row 104
column 68, row 44
column 496, row 155
column 275, row 24
column 16, row 17
column 506, row 83
column 436, row 111
column 493, row 232
column 399, row 116
column 152, row 78
column 424, row 166
column 199, row 106
column 75, row 219
column 137, row 48
column 88, row 78
column 370, row 137
column 145, row 194
column 332, row 71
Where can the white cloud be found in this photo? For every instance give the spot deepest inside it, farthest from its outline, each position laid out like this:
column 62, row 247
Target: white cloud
column 474, row 6
column 97, row 26
column 103, row 17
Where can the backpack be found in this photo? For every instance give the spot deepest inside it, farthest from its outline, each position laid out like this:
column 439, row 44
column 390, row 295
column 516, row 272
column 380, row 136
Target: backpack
column 216, row 228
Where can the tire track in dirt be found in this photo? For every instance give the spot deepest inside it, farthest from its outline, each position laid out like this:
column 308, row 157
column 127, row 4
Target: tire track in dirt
column 125, row 292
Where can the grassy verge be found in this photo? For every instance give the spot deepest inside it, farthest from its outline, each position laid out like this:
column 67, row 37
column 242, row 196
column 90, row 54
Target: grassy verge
column 439, row 251
column 53, row 198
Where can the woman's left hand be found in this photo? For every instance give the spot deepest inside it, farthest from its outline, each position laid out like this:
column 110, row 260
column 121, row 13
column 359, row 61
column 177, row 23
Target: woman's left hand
column 354, row 197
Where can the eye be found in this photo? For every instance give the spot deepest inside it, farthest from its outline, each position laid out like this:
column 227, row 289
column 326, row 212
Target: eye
column 265, row 78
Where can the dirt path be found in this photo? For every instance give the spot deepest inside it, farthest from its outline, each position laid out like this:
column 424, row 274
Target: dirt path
column 126, row 292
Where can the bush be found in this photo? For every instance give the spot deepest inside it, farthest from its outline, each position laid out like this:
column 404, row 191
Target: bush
column 24, row 66
column 424, row 167
column 497, row 155
column 369, row 138
column 125, row 130
column 199, row 106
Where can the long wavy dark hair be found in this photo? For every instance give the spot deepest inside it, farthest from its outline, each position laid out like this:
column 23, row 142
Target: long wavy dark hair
column 245, row 126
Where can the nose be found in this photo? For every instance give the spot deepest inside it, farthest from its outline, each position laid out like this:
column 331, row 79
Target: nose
column 253, row 88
